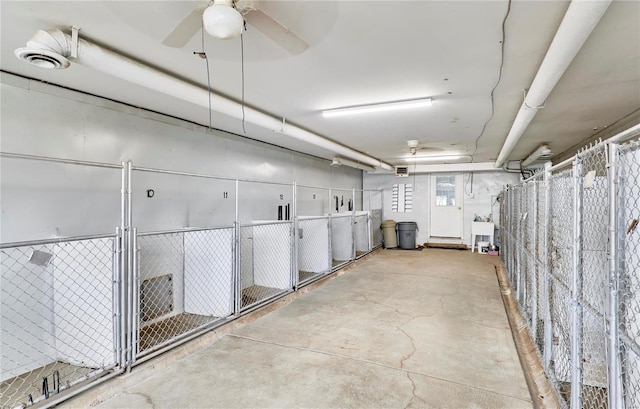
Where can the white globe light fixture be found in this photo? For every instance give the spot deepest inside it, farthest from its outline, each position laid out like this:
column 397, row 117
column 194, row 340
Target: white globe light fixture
column 223, row 21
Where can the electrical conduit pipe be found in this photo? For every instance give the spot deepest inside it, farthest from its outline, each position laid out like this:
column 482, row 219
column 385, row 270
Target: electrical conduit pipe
column 581, row 18
column 55, row 41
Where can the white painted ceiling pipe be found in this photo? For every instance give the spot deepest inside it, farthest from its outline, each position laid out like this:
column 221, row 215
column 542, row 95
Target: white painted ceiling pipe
column 52, row 42
column 581, row 18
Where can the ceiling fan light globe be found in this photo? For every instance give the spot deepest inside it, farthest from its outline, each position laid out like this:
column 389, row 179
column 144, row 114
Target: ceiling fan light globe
column 221, row 21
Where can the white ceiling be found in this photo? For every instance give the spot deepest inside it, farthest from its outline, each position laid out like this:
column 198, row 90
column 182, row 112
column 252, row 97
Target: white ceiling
column 364, row 52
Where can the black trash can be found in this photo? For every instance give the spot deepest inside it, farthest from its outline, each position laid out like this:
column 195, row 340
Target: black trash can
column 407, row 235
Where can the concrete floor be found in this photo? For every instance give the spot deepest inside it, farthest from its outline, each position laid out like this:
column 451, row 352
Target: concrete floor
column 402, row 329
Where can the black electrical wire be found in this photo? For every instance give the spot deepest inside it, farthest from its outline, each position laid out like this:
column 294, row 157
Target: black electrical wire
column 206, row 59
column 202, row 54
column 484, row 127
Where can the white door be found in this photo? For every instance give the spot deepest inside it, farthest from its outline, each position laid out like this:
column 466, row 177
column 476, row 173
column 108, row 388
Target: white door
column 446, row 206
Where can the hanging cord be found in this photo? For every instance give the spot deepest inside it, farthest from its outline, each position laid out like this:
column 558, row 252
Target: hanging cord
column 469, row 181
column 202, row 54
column 484, row 127
column 415, row 166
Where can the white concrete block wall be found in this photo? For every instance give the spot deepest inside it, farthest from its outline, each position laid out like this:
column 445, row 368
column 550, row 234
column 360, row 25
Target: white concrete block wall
column 80, row 201
column 486, row 187
column 44, row 200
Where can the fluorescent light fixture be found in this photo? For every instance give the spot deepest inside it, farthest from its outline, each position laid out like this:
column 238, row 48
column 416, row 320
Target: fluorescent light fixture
column 543, row 151
column 381, row 107
column 338, row 160
column 441, row 158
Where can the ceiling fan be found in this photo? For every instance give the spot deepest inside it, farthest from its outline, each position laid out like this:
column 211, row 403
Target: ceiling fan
column 414, row 147
column 225, row 19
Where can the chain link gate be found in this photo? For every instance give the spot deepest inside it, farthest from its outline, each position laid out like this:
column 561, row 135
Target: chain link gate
column 314, row 255
column 592, row 282
column 182, row 281
column 61, row 299
column 361, row 233
column 265, row 260
column 561, row 249
column 570, row 247
column 540, row 254
column 267, row 215
column 527, row 262
column 628, row 267
column 313, row 205
column 342, row 240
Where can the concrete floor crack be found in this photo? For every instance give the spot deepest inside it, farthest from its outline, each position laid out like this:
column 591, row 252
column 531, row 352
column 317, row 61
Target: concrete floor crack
column 396, row 310
column 413, row 344
column 414, row 396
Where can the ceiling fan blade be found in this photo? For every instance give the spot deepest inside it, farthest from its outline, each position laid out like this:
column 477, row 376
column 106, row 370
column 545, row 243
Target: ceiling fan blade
column 276, row 32
column 185, row 30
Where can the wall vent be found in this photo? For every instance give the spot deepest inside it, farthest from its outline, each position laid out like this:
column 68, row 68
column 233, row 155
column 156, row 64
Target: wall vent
column 402, row 171
column 401, row 198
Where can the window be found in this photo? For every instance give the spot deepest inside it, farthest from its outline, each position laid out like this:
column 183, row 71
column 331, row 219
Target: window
column 445, row 190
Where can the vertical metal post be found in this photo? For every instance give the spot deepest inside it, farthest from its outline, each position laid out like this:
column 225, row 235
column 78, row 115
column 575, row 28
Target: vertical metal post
column 130, row 273
column 613, row 347
column 330, row 242
column 576, row 277
column 115, row 302
column 381, row 214
column 353, row 224
column 505, row 241
column 533, row 253
column 237, row 273
column 123, row 268
column 135, row 283
column 548, row 336
column 295, row 278
column 518, row 244
column 369, row 226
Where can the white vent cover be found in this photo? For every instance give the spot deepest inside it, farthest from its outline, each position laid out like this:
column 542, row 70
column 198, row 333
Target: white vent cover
column 401, row 198
column 402, row 171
